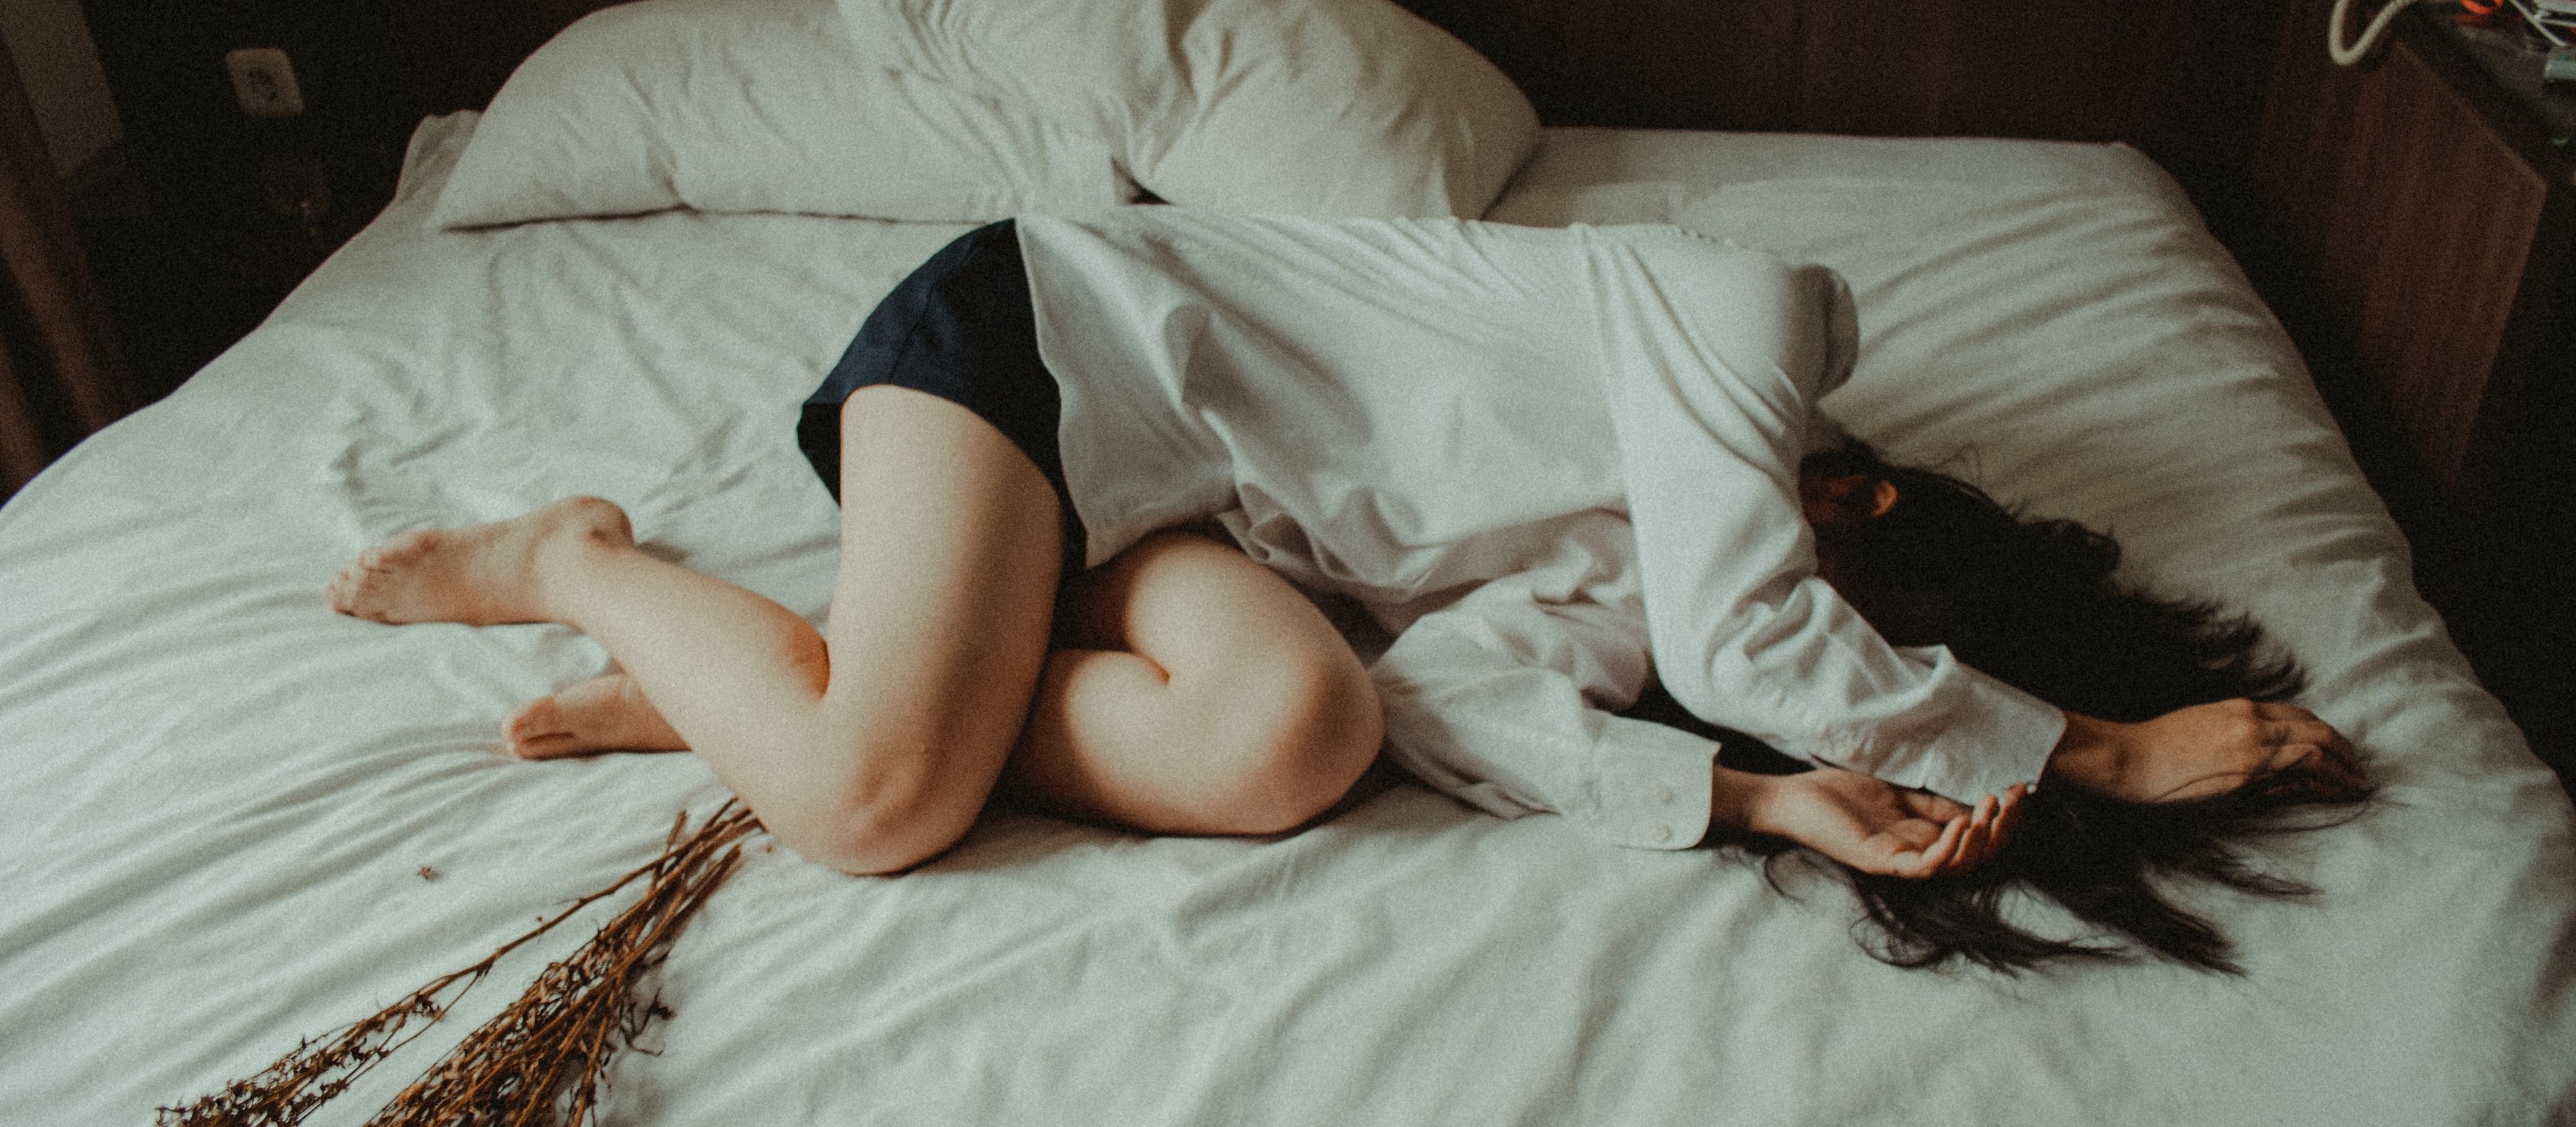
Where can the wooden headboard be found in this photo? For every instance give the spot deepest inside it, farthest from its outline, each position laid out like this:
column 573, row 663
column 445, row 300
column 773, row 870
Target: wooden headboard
column 2182, row 79
column 455, row 54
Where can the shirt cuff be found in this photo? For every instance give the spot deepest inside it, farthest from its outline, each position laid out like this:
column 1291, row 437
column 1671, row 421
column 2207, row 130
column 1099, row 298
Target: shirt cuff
column 1994, row 736
column 1651, row 786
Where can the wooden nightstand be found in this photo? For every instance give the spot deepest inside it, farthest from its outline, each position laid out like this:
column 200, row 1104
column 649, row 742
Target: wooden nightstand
column 2436, row 210
column 2422, row 212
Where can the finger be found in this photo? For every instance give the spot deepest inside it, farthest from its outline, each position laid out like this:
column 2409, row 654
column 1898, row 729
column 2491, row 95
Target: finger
column 1969, row 837
column 1964, row 858
column 2336, row 772
column 2281, row 710
column 2007, row 818
column 2285, row 755
column 2323, row 775
column 1972, row 844
column 2316, row 733
column 2294, row 725
column 2317, row 761
column 1941, row 850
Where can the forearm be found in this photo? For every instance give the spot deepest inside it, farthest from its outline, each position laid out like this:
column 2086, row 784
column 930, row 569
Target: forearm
column 2203, row 751
column 1737, row 799
column 2093, row 754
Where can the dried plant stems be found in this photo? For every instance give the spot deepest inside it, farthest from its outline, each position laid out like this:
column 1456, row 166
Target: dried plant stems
column 540, row 1061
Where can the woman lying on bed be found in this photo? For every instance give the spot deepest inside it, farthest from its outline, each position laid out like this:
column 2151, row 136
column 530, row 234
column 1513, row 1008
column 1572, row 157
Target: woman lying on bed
column 1547, row 460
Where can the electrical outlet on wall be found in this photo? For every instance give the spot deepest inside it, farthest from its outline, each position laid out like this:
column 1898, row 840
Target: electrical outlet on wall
column 264, row 82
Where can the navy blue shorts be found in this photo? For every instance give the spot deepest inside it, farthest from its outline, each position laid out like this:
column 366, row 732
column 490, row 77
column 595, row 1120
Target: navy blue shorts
column 961, row 327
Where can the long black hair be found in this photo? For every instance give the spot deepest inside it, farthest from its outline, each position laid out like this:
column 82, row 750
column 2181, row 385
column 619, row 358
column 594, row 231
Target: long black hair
column 2035, row 604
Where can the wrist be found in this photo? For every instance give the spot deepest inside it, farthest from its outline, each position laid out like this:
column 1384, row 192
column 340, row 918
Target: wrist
column 1739, row 800
column 2091, row 754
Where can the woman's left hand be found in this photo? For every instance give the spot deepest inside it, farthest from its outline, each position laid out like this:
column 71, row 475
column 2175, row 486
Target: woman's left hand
column 1877, row 827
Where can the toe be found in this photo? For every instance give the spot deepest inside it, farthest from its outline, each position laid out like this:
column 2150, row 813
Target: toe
column 349, row 595
column 540, row 717
column 556, row 745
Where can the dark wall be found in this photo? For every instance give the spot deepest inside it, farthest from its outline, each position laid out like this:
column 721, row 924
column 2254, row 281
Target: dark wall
column 214, row 215
column 197, row 153
column 2184, row 80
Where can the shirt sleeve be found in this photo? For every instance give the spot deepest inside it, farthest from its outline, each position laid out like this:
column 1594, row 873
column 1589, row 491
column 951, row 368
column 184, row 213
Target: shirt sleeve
column 1714, row 357
column 1497, row 700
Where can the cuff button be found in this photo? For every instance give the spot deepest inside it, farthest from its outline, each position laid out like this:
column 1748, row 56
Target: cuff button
column 1661, row 833
column 1662, row 791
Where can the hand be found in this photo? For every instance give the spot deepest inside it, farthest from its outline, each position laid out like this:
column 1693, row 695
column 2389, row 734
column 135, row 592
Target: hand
column 2204, row 751
column 1876, row 827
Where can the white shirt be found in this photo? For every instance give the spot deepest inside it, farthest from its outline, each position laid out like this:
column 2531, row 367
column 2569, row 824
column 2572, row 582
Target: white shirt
column 1553, row 462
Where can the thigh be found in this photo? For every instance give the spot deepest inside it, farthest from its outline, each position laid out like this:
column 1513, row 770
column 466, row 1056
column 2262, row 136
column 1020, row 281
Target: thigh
column 1212, row 698
column 950, row 546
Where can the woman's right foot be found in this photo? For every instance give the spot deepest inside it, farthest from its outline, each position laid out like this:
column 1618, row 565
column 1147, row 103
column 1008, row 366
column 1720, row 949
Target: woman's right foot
column 606, row 713
column 481, row 575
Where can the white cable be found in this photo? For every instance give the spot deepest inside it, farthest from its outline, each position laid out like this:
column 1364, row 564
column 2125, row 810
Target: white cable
column 2346, row 55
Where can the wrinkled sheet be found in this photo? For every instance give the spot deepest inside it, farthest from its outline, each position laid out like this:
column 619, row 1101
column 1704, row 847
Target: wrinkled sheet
column 222, row 807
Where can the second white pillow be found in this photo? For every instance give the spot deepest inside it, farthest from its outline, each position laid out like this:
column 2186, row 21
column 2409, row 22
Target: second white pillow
column 754, row 105
column 1324, row 108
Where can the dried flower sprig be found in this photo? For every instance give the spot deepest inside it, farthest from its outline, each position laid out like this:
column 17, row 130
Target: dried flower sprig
column 540, row 1061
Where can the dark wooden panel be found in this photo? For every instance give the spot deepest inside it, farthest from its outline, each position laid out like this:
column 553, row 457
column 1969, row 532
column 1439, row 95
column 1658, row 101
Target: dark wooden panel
column 2422, row 226
column 199, row 155
column 1880, row 68
column 67, row 333
column 2184, row 80
column 455, row 54
column 1703, row 64
column 2414, row 217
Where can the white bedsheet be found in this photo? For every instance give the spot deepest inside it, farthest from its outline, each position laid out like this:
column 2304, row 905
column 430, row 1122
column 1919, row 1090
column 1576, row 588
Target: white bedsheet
column 222, row 807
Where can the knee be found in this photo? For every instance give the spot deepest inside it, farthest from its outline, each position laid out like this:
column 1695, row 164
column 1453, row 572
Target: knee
column 1294, row 747
column 875, row 840
column 875, row 814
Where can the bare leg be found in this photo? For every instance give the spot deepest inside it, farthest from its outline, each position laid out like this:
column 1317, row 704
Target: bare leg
column 871, row 755
column 1216, row 784
column 1218, row 701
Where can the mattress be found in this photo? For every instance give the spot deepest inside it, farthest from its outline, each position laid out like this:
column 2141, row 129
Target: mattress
column 230, row 819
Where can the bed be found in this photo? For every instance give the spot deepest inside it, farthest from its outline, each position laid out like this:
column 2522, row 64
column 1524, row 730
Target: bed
column 230, row 819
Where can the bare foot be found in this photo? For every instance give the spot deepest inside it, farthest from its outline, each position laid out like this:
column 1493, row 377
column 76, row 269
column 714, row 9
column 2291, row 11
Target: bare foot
column 481, row 575
column 606, row 713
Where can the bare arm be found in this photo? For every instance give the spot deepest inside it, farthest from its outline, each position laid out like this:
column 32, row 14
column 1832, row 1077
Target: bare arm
column 2202, row 751
column 2198, row 752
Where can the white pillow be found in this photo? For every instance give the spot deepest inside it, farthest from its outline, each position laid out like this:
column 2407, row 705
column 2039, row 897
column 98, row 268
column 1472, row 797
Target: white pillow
column 754, row 105
column 1312, row 107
